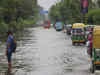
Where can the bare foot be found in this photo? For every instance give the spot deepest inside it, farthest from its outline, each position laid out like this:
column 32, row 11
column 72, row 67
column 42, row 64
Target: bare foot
column 9, row 70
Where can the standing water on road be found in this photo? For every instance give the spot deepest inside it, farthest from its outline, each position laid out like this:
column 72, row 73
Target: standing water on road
column 46, row 52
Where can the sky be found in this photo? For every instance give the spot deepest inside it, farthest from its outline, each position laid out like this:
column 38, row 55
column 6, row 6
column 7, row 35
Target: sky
column 46, row 4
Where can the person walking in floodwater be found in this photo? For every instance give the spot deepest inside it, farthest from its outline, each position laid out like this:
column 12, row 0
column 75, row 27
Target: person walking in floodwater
column 10, row 49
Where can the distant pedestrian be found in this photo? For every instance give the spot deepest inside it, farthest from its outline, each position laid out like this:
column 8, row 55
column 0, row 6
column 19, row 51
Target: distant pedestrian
column 90, row 40
column 11, row 46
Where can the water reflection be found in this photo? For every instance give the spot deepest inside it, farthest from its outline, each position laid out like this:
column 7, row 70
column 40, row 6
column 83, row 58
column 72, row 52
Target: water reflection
column 46, row 52
column 19, row 61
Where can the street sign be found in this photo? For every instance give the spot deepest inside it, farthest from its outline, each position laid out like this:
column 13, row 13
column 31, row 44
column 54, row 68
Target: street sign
column 43, row 12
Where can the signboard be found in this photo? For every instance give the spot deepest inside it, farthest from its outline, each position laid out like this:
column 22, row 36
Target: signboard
column 84, row 6
column 43, row 12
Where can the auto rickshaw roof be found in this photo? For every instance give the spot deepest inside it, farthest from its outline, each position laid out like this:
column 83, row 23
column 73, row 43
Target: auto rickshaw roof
column 68, row 25
column 96, row 37
column 90, row 26
column 96, row 30
column 78, row 25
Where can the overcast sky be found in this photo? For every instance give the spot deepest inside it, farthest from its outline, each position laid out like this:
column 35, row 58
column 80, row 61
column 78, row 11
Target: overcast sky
column 46, row 4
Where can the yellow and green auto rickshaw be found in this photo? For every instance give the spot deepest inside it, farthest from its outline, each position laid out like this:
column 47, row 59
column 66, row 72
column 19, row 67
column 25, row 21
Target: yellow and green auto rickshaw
column 96, row 49
column 78, row 33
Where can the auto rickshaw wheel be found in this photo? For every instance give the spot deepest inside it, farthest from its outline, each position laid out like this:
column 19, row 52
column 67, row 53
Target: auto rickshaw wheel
column 68, row 33
column 73, row 43
column 93, row 68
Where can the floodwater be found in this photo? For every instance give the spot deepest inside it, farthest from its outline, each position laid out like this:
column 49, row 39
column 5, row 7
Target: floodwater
column 46, row 52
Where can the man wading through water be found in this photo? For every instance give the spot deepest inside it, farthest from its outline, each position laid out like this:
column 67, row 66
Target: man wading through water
column 11, row 46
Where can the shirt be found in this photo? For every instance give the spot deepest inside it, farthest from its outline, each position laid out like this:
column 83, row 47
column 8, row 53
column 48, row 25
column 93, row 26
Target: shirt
column 10, row 43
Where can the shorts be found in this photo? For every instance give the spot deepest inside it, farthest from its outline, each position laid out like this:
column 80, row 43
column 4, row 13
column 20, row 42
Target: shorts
column 91, row 52
column 9, row 56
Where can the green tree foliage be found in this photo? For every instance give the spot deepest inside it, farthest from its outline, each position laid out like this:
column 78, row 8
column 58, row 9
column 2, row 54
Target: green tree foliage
column 13, row 11
column 94, row 16
column 69, row 11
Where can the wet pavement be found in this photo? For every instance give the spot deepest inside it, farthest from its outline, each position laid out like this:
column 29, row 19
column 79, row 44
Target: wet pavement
column 46, row 52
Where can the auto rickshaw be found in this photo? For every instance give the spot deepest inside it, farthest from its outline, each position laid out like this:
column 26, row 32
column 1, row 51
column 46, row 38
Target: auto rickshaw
column 68, row 29
column 78, row 33
column 96, row 50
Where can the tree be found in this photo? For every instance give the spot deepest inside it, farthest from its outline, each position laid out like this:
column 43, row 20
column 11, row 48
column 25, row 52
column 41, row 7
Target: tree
column 69, row 10
column 11, row 11
column 94, row 16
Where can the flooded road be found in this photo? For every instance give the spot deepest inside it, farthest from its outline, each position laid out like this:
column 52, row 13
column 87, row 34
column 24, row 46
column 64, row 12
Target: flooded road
column 46, row 52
